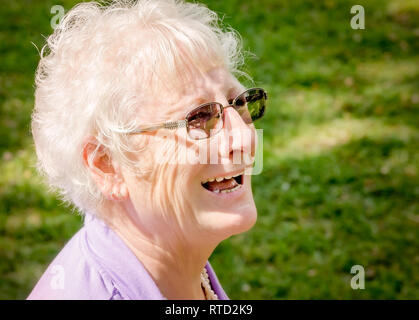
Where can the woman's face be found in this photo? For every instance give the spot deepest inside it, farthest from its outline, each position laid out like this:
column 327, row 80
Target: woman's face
column 174, row 197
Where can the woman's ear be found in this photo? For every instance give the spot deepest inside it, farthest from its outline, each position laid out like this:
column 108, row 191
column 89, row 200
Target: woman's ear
column 104, row 171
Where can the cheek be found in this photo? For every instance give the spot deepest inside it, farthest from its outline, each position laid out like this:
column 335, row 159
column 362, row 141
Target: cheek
column 170, row 174
column 173, row 178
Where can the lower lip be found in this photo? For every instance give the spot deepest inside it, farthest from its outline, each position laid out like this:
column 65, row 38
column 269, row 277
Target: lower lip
column 228, row 195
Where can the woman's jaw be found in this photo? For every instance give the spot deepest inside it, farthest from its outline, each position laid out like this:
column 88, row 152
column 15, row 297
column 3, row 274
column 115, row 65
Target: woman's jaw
column 224, row 202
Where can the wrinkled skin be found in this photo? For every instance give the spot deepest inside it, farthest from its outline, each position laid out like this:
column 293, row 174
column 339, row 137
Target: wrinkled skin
column 164, row 215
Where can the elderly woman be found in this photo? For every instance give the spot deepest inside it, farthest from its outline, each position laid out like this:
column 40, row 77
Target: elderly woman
column 140, row 123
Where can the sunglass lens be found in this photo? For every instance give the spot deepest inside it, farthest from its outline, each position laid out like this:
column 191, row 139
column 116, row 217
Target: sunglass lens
column 205, row 121
column 251, row 104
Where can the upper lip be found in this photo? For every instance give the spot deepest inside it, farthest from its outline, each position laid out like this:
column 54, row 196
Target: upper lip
column 224, row 175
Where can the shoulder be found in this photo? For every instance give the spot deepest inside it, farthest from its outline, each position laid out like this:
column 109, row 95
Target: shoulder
column 72, row 275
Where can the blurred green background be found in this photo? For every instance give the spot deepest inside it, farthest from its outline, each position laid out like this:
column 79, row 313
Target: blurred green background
column 340, row 180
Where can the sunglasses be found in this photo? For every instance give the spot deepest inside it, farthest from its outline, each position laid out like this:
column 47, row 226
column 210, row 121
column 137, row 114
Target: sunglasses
column 208, row 119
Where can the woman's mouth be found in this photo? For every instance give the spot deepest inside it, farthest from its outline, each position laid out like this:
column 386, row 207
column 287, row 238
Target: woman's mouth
column 224, row 184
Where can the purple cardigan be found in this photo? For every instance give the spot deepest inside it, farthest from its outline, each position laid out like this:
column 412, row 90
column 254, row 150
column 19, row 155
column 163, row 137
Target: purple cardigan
column 96, row 264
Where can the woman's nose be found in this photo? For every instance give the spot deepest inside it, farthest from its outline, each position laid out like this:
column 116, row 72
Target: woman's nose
column 238, row 138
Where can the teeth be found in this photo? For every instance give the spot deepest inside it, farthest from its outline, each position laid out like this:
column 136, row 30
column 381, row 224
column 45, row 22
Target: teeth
column 219, row 179
column 230, row 190
column 235, row 188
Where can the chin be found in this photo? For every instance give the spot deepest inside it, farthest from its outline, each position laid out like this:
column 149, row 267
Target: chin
column 242, row 221
column 225, row 214
column 226, row 223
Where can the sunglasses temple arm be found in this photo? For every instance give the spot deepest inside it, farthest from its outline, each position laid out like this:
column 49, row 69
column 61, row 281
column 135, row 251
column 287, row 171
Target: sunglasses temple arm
column 171, row 125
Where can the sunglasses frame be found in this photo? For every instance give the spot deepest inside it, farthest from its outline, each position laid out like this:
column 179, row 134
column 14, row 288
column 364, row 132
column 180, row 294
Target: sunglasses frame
column 173, row 125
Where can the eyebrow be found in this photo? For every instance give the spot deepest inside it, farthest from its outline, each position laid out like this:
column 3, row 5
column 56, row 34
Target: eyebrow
column 232, row 91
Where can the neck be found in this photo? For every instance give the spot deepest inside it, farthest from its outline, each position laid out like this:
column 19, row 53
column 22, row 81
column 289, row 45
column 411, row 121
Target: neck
column 174, row 263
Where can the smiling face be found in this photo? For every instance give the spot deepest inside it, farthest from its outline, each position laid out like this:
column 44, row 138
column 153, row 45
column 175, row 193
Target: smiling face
column 184, row 193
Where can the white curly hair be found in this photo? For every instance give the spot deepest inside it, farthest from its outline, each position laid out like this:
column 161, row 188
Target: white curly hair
column 102, row 63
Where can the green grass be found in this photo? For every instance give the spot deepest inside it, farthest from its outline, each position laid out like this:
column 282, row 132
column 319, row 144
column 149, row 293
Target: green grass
column 340, row 179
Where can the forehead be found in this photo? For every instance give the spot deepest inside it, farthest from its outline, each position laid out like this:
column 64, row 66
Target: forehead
column 207, row 87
